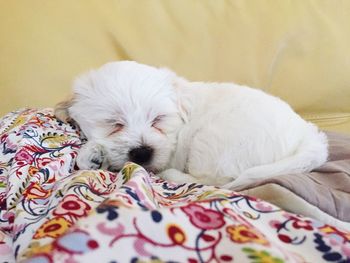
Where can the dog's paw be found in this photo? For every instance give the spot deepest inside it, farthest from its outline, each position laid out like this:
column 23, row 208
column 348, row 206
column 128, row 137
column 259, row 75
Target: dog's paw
column 91, row 156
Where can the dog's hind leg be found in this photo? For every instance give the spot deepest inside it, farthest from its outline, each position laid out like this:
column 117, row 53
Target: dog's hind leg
column 311, row 154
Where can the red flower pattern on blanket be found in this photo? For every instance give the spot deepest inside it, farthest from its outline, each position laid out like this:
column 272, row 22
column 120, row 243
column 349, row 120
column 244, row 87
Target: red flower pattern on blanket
column 204, row 218
column 72, row 206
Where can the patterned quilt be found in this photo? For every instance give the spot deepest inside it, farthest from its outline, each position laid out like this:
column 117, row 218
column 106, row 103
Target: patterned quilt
column 52, row 212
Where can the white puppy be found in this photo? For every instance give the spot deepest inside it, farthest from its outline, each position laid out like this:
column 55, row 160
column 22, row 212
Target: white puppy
column 221, row 134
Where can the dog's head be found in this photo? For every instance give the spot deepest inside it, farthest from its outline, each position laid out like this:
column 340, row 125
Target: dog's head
column 130, row 109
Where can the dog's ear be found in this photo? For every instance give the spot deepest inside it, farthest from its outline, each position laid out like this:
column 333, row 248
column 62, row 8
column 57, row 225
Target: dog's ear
column 183, row 98
column 179, row 84
column 61, row 110
column 81, row 85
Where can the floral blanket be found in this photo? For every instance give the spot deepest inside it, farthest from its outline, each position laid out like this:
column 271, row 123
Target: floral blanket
column 52, row 212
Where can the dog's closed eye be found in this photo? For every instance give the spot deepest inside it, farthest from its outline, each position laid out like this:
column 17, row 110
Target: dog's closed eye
column 156, row 121
column 116, row 126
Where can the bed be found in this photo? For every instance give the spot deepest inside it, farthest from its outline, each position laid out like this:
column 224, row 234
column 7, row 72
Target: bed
column 53, row 212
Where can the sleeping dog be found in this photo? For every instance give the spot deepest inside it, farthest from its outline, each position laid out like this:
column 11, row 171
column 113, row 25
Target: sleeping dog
column 219, row 134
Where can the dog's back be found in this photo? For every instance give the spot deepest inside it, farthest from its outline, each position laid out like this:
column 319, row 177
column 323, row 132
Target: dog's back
column 239, row 132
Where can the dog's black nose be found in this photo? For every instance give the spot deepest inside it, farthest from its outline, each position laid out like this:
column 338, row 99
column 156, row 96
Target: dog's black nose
column 141, row 155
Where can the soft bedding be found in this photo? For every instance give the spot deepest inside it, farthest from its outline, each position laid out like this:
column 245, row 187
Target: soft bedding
column 323, row 194
column 53, row 212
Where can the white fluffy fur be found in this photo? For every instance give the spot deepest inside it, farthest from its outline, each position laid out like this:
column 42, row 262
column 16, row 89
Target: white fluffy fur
column 213, row 133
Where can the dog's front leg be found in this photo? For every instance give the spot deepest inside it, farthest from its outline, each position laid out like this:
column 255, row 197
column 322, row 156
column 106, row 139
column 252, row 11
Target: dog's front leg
column 92, row 156
column 177, row 176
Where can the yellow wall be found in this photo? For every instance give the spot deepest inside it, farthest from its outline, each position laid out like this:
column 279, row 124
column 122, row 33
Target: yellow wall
column 298, row 50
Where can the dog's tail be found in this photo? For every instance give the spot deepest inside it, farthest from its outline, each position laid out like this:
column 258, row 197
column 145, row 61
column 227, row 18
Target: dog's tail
column 311, row 153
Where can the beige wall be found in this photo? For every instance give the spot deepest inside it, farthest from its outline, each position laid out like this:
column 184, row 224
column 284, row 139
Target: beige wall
column 298, row 50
